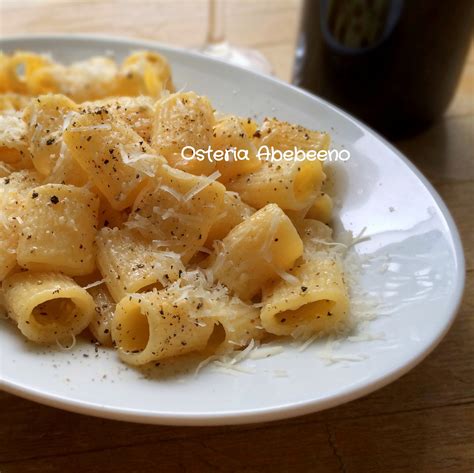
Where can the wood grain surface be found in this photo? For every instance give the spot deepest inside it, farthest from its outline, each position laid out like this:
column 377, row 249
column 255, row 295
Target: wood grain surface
column 424, row 422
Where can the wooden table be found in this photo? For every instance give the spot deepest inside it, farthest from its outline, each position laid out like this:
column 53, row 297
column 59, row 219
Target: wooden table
column 424, row 422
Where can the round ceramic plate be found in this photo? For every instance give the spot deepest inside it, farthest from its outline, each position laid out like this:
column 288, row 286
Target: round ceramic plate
column 413, row 262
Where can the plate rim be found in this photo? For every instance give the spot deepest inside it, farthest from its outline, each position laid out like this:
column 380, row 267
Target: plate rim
column 274, row 413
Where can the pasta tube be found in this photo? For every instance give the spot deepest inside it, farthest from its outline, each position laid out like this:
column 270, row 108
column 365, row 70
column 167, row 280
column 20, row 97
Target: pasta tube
column 178, row 210
column 13, row 191
column 230, row 133
column 58, row 229
column 316, row 302
column 293, row 185
column 157, row 325
column 321, row 209
column 129, row 263
column 259, row 249
column 183, row 119
column 45, row 116
column 47, row 306
column 107, row 150
column 237, row 324
column 234, row 212
column 104, row 311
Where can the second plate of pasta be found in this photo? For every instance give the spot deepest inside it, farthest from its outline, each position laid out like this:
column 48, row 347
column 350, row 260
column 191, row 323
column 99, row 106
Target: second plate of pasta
column 159, row 266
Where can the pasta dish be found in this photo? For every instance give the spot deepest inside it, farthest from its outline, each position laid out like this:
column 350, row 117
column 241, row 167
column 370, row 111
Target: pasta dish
column 108, row 227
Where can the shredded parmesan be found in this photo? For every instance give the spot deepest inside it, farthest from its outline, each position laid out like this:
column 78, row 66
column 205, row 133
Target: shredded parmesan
column 173, row 192
column 101, row 126
column 280, row 373
column 308, row 342
column 231, row 369
column 331, row 358
column 165, row 243
column 138, row 161
column 201, row 186
column 94, row 284
column 289, row 278
column 69, row 347
column 266, row 352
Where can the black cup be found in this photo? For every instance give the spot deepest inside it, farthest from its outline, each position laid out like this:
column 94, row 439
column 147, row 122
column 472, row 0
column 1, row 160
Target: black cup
column 394, row 64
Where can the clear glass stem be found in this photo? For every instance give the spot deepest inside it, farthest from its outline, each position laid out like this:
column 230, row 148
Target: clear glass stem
column 216, row 23
column 216, row 44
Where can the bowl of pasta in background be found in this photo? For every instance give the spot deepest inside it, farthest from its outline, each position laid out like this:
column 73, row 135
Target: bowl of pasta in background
column 407, row 271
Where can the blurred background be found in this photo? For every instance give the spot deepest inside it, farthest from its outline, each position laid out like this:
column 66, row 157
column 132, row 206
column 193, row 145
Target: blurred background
column 267, row 25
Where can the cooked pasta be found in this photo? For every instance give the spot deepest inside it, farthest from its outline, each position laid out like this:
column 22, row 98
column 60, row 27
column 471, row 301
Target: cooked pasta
column 316, row 302
column 104, row 311
column 157, row 325
column 103, row 145
column 183, row 119
column 321, row 209
column 45, row 117
column 58, row 228
column 151, row 220
column 177, row 210
column 234, row 212
column 230, row 134
column 240, row 324
column 13, row 190
column 131, row 263
column 47, row 307
column 256, row 251
column 293, row 185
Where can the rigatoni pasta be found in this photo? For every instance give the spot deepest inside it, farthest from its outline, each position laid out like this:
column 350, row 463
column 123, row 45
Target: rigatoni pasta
column 316, row 301
column 234, row 211
column 257, row 251
column 58, row 229
column 130, row 263
column 293, row 185
column 177, row 210
column 118, row 216
column 104, row 311
column 321, row 209
column 157, row 325
column 45, row 117
column 102, row 146
column 13, row 191
column 47, row 307
column 183, row 120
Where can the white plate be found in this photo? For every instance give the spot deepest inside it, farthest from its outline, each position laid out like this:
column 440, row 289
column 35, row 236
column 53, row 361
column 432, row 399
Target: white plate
column 410, row 229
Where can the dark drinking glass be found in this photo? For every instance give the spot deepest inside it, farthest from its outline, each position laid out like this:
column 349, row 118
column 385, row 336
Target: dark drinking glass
column 393, row 63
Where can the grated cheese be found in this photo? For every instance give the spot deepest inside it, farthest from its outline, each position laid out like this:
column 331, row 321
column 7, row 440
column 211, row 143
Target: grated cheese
column 266, row 352
column 289, row 278
column 67, row 348
column 201, row 186
column 173, row 192
column 94, row 284
column 335, row 357
column 138, row 161
column 280, row 373
column 102, row 126
column 232, row 370
column 12, row 131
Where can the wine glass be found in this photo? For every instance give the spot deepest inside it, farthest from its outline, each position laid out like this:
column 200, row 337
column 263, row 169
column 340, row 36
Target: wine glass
column 217, row 46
